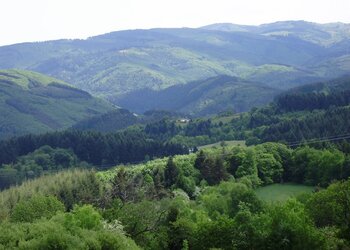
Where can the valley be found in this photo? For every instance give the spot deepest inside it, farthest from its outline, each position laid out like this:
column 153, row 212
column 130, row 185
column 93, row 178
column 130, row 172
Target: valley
column 224, row 136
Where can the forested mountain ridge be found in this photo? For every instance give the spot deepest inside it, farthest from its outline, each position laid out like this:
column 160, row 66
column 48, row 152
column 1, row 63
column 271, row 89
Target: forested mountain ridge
column 34, row 103
column 118, row 63
column 326, row 87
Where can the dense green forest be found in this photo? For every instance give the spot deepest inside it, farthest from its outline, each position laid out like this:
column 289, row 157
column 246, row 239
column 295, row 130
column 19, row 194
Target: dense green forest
column 199, row 201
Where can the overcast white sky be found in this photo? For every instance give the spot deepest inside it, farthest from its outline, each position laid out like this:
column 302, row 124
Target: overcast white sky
column 38, row 20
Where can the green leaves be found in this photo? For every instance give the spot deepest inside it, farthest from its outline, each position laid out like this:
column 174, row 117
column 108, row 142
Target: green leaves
column 82, row 228
column 36, row 208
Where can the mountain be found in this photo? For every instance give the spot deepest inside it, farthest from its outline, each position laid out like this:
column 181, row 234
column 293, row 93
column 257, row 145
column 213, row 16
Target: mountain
column 204, row 97
column 33, row 103
column 334, row 37
column 280, row 55
column 321, row 34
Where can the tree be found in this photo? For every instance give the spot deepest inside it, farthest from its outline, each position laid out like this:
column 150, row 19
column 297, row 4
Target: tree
column 200, row 160
column 249, row 167
column 37, row 207
column 219, row 172
column 269, row 169
column 291, row 228
column 171, row 173
column 331, row 207
column 121, row 186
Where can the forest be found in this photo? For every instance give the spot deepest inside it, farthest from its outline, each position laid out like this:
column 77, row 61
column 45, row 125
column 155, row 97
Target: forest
column 203, row 200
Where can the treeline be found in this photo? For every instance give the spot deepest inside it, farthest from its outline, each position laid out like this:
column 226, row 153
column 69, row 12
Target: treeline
column 93, row 147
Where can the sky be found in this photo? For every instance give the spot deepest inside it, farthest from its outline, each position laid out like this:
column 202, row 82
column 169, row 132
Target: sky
column 41, row 20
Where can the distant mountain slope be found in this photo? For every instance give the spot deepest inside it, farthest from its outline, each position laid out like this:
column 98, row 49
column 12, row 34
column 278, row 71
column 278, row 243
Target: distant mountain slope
column 33, row 103
column 121, row 62
column 320, row 95
column 205, row 97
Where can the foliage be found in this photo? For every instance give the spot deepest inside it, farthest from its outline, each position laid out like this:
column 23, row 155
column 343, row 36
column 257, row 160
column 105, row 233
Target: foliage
column 79, row 229
column 70, row 187
column 35, row 208
column 171, row 203
column 330, row 207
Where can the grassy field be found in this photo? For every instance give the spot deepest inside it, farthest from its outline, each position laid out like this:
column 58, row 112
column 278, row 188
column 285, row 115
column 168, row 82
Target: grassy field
column 227, row 143
column 281, row 192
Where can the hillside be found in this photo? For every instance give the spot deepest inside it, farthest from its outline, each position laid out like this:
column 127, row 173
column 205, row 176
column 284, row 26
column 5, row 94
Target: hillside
column 204, row 97
column 281, row 55
column 34, row 103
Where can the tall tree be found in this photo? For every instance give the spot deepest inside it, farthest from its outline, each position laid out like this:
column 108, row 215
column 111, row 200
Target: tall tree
column 171, row 173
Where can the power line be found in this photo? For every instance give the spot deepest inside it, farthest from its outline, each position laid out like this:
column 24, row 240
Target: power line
column 321, row 138
column 318, row 140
